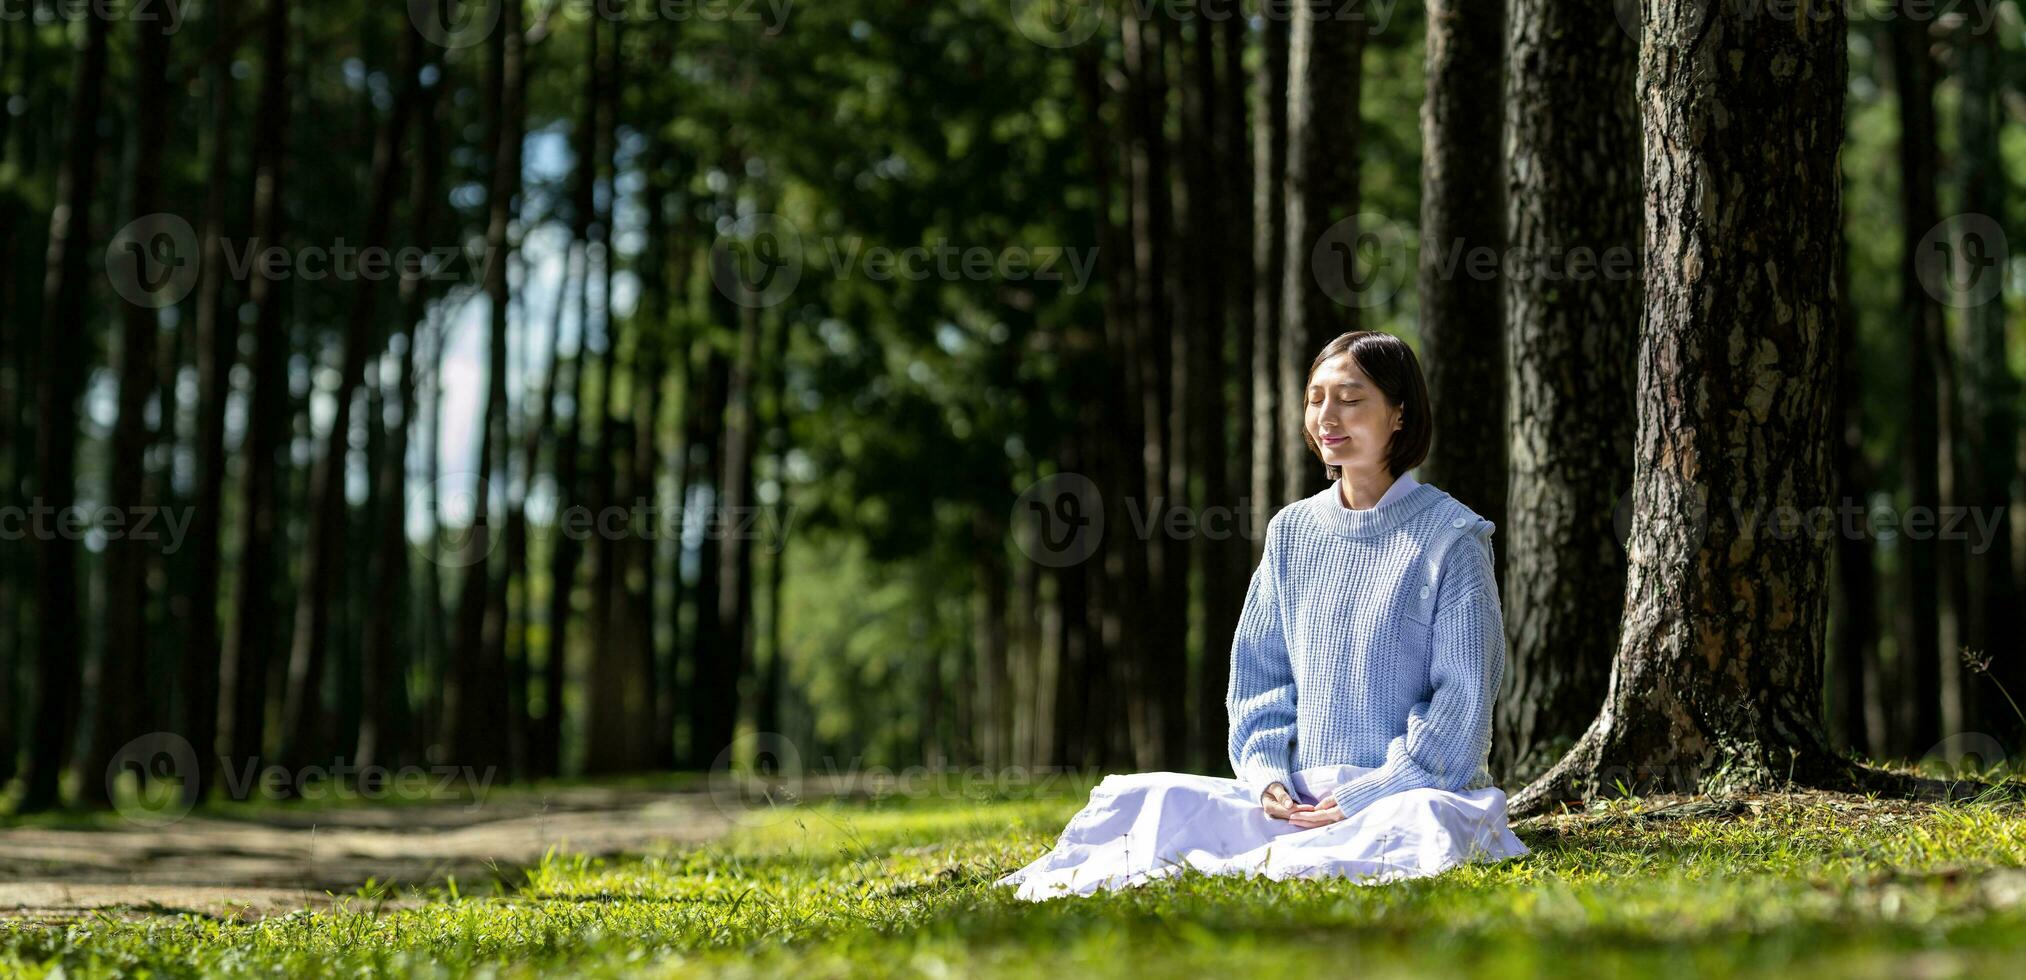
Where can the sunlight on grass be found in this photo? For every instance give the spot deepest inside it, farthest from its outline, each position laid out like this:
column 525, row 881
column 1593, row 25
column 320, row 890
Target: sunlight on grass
column 905, row 887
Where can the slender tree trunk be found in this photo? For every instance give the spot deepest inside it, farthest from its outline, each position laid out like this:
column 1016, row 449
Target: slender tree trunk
column 306, row 732
column 253, row 628
column 1463, row 342
column 481, row 703
column 711, row 676
column 1993, row 394
column 384, row 659
column 1096, row 679
column 1717, row 681
column 566, row 553
column 1324, row 76
column 1271, row 405
column 775, row 355
column 217, row 343
column 1920, row 667
column 59, row 383
column 1574, row 177
column 614, row 734
column 735, row 556
column 1146, row 666
column 1857, row 703
column 123, row 669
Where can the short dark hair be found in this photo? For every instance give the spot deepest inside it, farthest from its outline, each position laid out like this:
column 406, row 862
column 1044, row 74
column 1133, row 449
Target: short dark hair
column 1391, row 365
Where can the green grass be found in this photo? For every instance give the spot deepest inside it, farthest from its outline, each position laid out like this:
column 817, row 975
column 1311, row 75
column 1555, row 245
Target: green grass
column 903, row 887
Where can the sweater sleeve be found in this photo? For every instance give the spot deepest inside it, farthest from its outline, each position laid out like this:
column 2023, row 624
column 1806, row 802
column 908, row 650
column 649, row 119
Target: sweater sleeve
column 1260, row 697
column 1448, row 734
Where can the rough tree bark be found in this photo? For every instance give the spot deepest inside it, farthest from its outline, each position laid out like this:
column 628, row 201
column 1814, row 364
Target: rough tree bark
column 1574, row 184
column 1717, row 680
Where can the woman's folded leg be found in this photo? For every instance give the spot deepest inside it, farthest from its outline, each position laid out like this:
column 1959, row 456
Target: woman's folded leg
column 1140, row 826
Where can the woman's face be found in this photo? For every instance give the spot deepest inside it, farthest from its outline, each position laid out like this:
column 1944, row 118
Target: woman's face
column 1348, row 417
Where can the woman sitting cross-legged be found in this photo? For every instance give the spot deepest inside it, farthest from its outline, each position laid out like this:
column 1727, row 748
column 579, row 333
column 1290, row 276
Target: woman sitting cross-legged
column 1363, row 673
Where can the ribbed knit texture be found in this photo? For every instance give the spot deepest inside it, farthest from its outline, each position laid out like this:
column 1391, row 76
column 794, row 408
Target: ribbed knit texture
column 1370, row 638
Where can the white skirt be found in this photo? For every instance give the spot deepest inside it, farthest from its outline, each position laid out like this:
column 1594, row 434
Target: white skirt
column 1142, row 826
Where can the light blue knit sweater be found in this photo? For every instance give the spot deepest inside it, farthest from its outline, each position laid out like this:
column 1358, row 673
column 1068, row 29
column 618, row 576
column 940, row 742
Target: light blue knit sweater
column 1370, row 638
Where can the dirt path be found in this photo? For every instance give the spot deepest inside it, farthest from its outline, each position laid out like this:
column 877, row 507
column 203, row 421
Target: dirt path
column 283, row 861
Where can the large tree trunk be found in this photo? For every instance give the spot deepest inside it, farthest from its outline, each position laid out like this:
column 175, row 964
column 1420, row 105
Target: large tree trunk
column 1992, row 422
column 1324, row 77
column 1574, row 179
column 60, row 381
column 123, row 669
column 1270, row 411
column 1717, row 681
column 1920, row 315
column 1463, row 342
column 306, row 732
